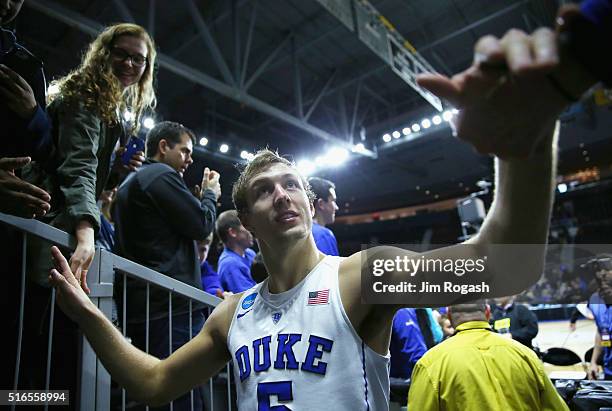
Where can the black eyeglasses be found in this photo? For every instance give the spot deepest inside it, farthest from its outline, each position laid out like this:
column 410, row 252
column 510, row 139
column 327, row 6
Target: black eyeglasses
column 137, row 60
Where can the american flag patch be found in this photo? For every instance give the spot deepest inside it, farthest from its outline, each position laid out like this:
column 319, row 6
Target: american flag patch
column 318, row 297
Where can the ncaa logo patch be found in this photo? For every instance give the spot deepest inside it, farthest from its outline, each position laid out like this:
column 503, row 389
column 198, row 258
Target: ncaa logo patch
column 276, row 317
column 249, row 301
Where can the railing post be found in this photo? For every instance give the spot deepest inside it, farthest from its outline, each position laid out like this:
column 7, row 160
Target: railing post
column 105, row 304
column 95, row 380
column 87, row 377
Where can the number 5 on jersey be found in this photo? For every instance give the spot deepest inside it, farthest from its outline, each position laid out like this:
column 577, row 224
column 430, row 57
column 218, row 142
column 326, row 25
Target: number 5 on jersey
column 281, row 389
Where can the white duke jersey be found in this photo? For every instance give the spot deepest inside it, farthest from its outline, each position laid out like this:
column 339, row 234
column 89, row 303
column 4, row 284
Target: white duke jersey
column 297, row 350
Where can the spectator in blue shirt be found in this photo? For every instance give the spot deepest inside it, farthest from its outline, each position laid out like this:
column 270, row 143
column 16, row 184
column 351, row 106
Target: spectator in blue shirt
column 211, row 282
column 325, row 214
column 234, row 265
column 408, row 344
column 600, row 305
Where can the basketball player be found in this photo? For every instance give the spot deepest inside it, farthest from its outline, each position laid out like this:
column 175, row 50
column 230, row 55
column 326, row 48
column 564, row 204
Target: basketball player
column 303, row 339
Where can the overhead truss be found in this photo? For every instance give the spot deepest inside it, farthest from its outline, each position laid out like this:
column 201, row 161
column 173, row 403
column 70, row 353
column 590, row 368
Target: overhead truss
column 380, row 36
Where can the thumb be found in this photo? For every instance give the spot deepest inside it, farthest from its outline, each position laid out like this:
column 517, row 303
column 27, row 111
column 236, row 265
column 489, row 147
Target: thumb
column 56, row 279
column 11, row 163
column 441, row 86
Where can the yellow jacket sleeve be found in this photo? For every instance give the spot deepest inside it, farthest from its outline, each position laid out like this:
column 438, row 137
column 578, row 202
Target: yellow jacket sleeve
column 550, row 398
column 423, row 394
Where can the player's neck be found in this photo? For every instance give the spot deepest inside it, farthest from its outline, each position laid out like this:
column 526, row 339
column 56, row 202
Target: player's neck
column 289, row 265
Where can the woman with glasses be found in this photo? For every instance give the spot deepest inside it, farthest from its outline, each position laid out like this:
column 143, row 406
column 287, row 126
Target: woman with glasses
column 115, row 75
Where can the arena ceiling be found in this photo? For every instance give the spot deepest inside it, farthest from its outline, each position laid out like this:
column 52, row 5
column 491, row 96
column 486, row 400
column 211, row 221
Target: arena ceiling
column 288, row 75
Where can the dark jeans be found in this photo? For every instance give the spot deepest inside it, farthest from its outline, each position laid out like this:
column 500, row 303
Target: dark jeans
column 158, row 347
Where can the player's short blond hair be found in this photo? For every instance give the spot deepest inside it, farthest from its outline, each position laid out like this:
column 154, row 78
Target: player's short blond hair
column 261, row 162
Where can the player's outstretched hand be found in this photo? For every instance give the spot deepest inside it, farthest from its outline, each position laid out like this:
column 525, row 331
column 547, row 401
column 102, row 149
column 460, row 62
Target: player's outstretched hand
column 70, row 295
column 507, row 103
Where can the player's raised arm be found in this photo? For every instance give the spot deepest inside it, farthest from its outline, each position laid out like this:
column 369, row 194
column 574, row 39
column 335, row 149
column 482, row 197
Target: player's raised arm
column 508, row 107
column 509, row 101
column 146, row 378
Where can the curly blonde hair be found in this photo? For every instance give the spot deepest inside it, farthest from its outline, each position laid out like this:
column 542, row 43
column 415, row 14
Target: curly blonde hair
column 94, row 83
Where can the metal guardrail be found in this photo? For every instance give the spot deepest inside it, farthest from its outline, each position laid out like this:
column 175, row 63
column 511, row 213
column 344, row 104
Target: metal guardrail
column 95, row 382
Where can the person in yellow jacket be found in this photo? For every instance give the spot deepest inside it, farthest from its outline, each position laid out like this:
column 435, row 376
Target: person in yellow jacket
column 477, row 369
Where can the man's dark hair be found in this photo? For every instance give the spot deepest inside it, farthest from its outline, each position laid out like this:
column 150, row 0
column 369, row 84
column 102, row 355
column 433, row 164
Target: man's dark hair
column 169, row 131
column 226, row 220
column 320, row 187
